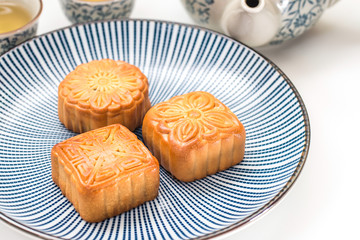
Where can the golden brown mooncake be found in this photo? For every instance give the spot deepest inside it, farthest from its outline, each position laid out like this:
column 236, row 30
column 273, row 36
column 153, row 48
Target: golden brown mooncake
column 105, row 172
column 103, row 92
column 194, row 135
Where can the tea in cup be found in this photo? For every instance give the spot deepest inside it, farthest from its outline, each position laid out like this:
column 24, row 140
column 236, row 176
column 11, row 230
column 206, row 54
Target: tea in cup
column 18, row 22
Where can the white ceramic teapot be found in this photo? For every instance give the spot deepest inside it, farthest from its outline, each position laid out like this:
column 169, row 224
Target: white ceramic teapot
column 258, row 22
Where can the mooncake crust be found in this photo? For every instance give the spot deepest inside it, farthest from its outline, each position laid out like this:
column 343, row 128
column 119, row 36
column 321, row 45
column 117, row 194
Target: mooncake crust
column 194, row 135
column 101, row 93
column 105, row 172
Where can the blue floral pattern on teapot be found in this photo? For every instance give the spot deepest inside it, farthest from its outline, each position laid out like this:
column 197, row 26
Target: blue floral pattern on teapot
column 299, row 16
column 258, row 22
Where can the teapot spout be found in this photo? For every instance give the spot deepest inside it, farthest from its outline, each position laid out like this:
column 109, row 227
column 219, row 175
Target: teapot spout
column 252, row 6
column 253, row 22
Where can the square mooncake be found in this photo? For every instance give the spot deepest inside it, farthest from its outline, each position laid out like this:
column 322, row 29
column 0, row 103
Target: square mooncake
column 105, row 172
column 194, row 135
column 103, row 92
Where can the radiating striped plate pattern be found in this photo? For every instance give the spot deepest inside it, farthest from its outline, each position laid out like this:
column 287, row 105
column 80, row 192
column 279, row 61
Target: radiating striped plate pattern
column 177, row 59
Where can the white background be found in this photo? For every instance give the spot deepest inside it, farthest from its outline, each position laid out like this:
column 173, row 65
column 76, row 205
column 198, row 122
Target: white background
column 324, row 65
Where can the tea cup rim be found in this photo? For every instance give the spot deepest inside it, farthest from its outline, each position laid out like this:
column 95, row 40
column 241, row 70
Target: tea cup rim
column 27, row 25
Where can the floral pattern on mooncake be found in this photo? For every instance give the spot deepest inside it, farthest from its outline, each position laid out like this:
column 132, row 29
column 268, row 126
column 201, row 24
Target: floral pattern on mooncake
column 193, row 117
column 103, row 92
column 194, row 135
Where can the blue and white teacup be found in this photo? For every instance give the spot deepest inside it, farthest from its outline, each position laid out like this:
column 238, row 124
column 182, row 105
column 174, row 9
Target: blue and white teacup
column 81, row 11
column 13, row 38
column 258, row 22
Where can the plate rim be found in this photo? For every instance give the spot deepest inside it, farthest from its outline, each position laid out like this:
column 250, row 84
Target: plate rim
column 235, row 226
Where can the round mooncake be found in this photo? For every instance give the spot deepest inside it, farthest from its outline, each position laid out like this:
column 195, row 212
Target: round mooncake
column 103, row 92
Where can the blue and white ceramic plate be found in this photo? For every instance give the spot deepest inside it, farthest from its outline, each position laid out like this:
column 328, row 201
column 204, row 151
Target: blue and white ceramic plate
column 177, row 59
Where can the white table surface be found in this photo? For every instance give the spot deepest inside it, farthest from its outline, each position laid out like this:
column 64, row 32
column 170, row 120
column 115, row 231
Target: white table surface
column 324, row 65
